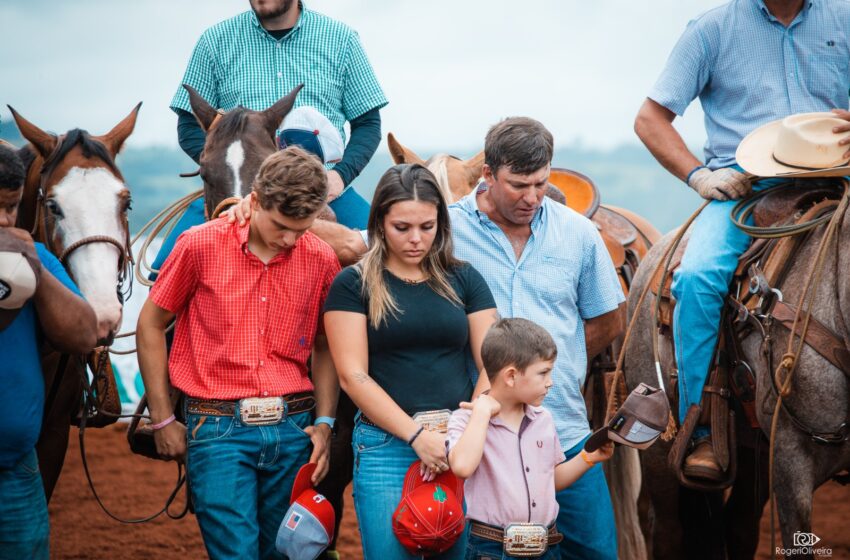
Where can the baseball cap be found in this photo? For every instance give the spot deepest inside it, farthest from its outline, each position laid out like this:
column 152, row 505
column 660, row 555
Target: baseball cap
column 429, row 518
column 306, row 127
column 308, row 526
column 638, row 423
column 19, row 273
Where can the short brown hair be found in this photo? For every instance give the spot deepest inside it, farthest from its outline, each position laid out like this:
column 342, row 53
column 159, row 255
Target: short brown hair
column 293, row 182
column 521, row 144
column 516, row 342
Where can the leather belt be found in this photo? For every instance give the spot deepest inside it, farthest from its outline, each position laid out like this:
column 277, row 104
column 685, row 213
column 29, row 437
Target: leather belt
column 296, row 403
column 365, row 420
column 497, row 534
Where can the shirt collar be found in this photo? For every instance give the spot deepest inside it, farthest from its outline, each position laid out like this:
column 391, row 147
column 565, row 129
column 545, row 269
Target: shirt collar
column 766, row 12
column 302, row 13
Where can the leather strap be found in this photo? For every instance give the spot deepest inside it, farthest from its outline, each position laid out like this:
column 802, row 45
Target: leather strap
column 296, row 404
column 496, row 534
column 819, row 337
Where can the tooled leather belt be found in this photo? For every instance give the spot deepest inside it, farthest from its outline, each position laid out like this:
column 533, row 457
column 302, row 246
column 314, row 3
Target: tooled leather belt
column 296, row 403
column 497, row 534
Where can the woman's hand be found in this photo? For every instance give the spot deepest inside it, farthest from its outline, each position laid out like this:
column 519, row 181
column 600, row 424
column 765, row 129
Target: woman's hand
column 241, row 211
column 431, row 449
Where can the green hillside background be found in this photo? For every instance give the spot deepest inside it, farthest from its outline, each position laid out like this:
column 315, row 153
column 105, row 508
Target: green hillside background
column 626, row 176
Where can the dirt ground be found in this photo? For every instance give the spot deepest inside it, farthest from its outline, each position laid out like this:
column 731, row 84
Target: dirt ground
column 134, row 486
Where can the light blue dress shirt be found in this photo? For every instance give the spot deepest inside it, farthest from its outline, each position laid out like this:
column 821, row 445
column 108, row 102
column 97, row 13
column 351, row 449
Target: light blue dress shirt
column 748, row 69
column 563, row 276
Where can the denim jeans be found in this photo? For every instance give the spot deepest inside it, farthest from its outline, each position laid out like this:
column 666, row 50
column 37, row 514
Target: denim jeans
column 241, row 477
column 24, row 525
column 380, row 463
column 586, row 516
column 700, row 285
column 485, row 549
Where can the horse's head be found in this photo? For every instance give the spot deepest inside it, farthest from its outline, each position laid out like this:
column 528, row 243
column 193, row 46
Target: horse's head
column 81, row 211
column 238, row 141
column 456, row 177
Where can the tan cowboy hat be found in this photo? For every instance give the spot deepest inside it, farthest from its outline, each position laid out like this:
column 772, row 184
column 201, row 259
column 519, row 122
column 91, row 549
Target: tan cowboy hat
column 801, row 145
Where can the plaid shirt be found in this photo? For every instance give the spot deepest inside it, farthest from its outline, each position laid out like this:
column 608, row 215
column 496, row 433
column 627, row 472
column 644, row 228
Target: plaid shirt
column 236, row 62
column 244, row 328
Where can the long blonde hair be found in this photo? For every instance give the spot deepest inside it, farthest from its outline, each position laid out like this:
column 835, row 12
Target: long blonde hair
column 401, row 183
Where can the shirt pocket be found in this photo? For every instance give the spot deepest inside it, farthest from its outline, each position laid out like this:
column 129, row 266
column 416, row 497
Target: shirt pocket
column 555, row 278
column 828, row 78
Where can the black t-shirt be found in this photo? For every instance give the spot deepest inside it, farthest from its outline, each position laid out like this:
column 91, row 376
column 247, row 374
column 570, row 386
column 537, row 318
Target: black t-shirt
column 419, row 356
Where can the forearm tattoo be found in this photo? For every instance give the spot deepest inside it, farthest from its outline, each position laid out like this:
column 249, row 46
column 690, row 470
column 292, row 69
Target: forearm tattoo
column 362, row 377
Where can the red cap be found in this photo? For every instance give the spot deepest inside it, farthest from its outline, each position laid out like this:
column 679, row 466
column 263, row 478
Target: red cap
column 429, row 518
column 306, row 496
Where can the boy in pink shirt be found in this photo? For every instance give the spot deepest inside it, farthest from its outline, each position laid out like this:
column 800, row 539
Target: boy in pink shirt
column 505, row 445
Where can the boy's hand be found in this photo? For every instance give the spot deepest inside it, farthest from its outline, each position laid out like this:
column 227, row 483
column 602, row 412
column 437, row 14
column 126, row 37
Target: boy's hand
column 484, row 403
column 602, row 454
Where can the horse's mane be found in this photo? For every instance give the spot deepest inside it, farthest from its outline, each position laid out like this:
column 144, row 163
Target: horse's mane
column 231, row 125
column 439, row 169
column 91, row 149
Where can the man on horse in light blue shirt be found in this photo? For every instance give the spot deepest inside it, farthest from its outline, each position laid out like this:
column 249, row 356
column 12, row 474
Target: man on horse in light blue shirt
column 750, row 62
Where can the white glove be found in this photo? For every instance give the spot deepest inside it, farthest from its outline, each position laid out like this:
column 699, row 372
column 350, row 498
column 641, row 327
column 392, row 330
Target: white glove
column 720, row 184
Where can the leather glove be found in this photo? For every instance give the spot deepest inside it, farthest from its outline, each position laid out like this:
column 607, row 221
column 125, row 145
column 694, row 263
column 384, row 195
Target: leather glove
column 720, row 184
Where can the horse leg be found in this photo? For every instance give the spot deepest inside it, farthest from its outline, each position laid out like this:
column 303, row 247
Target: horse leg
column 702, row 519
column 793, row 485
column 663, row 522
column 746, row 502
column 53, row 439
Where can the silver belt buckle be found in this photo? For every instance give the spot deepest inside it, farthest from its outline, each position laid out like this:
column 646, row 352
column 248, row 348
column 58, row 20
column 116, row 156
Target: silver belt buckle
column 526, row 539
column 261, row 411
column 434, row 420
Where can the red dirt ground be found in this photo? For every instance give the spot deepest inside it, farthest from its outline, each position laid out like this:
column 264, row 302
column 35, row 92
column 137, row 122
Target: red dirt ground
column 135, row 486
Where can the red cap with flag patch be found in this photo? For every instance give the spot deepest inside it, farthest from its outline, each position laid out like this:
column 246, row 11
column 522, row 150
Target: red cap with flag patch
column 429, row 519
column 308, row 526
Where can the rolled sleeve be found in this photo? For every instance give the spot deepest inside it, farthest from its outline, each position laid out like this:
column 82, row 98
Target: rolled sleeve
column 362, row 92
column 200, row 74
column 457, row 425
column 686, row 72
column 599, row 288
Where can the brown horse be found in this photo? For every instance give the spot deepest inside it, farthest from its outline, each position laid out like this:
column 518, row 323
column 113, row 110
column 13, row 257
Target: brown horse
column 628, row 238
column 75, row 201
column 685, row 523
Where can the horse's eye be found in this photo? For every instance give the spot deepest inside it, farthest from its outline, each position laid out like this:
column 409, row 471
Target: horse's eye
column 54, row 208
column 128, row 204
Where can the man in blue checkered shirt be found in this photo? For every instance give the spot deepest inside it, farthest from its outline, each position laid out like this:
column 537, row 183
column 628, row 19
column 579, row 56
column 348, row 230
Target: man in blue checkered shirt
column 750, row 62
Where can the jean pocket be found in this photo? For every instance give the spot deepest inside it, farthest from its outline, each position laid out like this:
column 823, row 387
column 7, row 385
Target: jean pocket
column 202, row 428
column 293, row 422
column 369, row 438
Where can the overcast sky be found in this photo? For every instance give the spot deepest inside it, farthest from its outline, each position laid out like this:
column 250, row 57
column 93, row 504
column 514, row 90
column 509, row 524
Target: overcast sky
column 449, row 68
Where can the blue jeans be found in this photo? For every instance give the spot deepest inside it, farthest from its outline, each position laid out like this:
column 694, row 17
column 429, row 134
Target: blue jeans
column 484, row 549
column 241, row 477
column 380, row 463
column 350, row 208
column 586, row 516
column 700, row 286
column 24, row 525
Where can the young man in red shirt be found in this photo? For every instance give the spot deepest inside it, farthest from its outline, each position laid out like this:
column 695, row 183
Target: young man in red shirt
column 248, row 303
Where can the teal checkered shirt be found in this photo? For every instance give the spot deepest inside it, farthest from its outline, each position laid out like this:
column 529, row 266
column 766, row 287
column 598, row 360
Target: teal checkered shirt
column 236, row 62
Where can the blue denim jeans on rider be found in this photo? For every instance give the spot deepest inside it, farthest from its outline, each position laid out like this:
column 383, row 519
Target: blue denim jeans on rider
column 380, row 463
column 586, row 516
column 700, row 285
column 24, row 525
column 241, row 477
column 484, row 549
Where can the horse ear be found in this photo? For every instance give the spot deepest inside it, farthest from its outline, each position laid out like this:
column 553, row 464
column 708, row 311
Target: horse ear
column 43, row 142
column 274, row 114
column 474, row 165
column 203, row 111
column 115, row 138
column 401, row 154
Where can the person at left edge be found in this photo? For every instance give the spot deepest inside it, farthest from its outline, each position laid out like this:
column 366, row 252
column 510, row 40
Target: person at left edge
column 58, row 313
column 248, row 304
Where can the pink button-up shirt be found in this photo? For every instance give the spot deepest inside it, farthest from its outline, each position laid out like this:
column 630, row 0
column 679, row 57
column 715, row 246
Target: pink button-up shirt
column 515, row 481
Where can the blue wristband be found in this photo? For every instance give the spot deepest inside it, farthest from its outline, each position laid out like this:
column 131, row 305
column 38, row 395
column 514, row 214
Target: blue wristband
column 325, row 420
column 694, row 170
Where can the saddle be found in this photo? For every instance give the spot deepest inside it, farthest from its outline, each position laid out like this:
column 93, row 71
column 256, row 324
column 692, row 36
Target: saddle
column 754, row 301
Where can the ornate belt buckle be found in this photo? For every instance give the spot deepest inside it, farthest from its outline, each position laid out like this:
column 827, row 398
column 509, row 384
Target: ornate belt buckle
column 261, row 411
column 434, row 420
column 526, row 539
